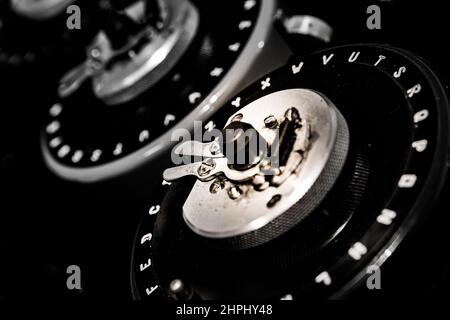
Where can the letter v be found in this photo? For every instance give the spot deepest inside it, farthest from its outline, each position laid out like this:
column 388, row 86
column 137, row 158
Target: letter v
column 327, row 59
column 297, row 69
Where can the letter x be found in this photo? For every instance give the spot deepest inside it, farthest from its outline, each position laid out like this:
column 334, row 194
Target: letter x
column 265, row 84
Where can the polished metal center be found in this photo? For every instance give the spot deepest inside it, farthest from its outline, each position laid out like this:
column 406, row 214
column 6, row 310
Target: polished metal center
column 121, row 74
column 224, row 214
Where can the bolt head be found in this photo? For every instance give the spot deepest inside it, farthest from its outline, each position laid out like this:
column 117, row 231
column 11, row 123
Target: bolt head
column 237, row 117
column 275, row 199
column 259, row 179
column 271, row 122
column 263, row 186
column 95, row 53
column 214, row 148
column 176, row 286
column 234, row 193
column 217, row 185
column 206, row 167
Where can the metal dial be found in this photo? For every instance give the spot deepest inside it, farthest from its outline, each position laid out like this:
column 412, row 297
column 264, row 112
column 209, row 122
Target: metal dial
column 89, row 137
column 398, row 120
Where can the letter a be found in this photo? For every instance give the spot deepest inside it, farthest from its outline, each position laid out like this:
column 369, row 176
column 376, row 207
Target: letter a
column 374, row 279
column 74, row 280
column 374, row 20
column 74, row 21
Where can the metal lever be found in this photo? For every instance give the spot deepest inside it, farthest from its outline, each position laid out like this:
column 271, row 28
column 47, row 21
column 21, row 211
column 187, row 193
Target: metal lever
column 73, row 80
column 199, row 149
column 98, row 55
column 208, row 170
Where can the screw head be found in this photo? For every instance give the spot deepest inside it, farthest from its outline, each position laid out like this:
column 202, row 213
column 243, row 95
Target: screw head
column 259, row 179
column 95, row 53
column 271, row 122
column 237, row 117
column 94, row 64
column 214, row 148
column 217, row 185
column 234, row 192
column 275, row 199
column 176, row 286
column 206, row 167
column 263, row 186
